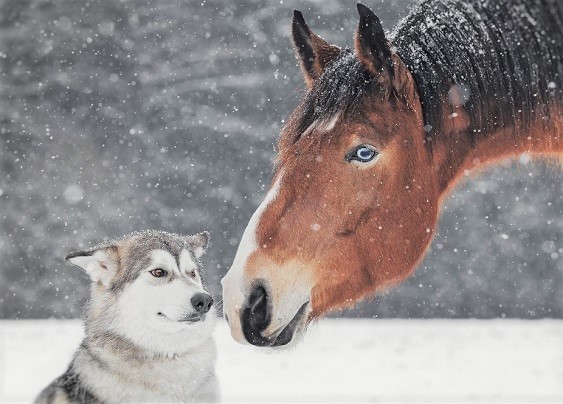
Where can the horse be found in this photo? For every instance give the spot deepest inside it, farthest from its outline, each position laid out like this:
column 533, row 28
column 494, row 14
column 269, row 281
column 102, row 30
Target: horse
column 381, row 135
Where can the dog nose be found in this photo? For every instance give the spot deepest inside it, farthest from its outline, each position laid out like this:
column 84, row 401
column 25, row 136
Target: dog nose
column 256, row 315
column 202, row 302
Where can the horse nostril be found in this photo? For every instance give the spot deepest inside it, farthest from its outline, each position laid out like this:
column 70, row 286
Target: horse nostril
column 256, row 315
column 202, row 302
column 258, row 302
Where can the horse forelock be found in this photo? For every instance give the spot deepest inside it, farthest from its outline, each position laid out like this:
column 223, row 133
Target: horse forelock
column 337, row 94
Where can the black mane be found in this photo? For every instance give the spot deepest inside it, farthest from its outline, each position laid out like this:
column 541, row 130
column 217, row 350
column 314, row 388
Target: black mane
column 505, row 56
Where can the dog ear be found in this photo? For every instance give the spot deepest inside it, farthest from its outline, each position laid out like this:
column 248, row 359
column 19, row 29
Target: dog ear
column 100, row 264
column 372, row 48
column 313, row 52
column 199, row 242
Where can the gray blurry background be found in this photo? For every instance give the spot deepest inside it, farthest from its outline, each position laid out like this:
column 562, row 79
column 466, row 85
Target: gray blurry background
column 117, row 116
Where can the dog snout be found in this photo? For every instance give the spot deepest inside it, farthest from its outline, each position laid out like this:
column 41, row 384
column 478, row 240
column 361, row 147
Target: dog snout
column 256, row 315
column 202, row 302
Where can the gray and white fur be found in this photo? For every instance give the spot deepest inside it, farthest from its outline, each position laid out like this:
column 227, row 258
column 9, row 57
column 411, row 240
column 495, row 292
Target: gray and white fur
column 148, row 326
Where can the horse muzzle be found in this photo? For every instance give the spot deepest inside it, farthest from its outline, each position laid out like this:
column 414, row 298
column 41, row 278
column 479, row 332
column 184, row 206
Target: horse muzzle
column 258, row 318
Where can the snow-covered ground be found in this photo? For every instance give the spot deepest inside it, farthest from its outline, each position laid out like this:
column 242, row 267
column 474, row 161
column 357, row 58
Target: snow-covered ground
column 340, row 360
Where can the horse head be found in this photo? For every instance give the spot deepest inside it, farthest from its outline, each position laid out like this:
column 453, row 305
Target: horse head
column 353, row 202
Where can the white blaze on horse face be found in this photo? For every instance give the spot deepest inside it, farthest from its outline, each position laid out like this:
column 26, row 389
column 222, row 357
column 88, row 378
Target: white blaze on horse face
column 310, row 129
column 323, row 125
column 328, row 124
column 233, row 282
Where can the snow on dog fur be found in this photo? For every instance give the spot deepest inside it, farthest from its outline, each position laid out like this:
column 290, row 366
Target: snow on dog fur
column 149, row 324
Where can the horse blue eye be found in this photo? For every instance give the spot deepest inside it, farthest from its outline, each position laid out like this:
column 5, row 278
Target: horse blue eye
column 363, row 154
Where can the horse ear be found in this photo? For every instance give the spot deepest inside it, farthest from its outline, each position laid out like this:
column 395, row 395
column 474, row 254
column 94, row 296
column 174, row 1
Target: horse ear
column 313, row 52
column 101, row 264
column 372, row 48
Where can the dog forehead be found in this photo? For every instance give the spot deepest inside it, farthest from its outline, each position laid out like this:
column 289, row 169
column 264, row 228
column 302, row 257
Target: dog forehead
column 181, row 264
column 164, row 258
column 187, row 261
column 141, row 244
column 174, row 252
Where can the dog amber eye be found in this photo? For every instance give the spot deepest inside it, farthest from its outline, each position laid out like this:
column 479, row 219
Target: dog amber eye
column 158, row 273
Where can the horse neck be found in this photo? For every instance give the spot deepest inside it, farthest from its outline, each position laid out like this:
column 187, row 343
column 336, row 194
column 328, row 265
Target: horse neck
column 484, row 95
column 455, row 153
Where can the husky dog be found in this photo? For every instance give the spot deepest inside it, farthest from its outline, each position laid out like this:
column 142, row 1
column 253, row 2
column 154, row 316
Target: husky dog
column 149, row 325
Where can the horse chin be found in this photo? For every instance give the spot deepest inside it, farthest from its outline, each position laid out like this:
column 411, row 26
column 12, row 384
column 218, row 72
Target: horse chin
column 294, row 331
